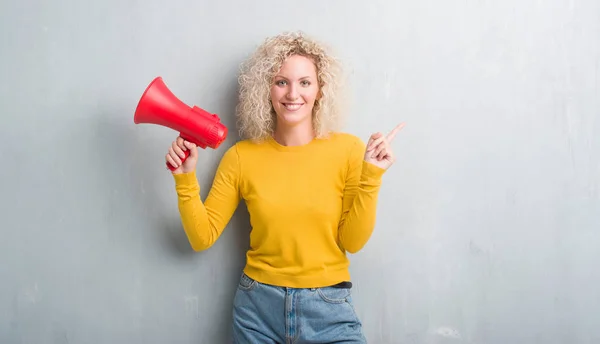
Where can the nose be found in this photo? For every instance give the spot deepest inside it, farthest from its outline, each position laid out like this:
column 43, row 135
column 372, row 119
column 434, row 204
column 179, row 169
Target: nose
column 292, row 92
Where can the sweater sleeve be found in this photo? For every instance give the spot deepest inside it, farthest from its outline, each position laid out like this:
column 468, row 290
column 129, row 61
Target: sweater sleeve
column 361, row 192
column 203, row 223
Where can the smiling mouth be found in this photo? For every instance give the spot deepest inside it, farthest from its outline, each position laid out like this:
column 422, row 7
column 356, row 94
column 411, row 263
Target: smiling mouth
column 292, row 106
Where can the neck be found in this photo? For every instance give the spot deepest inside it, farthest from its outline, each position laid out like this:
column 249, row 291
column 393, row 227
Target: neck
column 294, row 136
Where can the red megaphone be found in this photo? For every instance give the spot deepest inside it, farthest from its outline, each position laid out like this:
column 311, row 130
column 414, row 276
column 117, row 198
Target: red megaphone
column 159, row 106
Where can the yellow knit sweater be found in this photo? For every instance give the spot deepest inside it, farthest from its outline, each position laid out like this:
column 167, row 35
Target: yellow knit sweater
column 308, row 205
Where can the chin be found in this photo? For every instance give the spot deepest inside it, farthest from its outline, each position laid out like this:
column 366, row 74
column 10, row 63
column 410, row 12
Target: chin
column 294, row 118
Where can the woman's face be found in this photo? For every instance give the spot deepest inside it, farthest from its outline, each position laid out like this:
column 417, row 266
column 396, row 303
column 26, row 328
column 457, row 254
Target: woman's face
column 294, row 91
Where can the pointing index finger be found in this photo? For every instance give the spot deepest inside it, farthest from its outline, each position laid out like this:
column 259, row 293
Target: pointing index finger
column 395, row 131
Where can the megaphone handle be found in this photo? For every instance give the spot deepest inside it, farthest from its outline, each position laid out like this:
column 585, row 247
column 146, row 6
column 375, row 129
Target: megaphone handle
column 186, row 153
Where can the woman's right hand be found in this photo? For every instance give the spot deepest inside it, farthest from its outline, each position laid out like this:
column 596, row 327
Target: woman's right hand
column 176, row 153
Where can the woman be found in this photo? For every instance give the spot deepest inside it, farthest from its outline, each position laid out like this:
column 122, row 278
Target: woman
column 311, row 193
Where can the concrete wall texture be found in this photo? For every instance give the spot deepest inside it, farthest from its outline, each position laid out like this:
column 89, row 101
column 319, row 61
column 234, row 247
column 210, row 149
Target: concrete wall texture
column 489, row 222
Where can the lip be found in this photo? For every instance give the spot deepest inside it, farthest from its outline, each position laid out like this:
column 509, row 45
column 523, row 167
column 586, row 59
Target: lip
column 292, row 106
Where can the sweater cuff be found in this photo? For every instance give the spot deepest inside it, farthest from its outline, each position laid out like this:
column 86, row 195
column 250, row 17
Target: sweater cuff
column 371, row 174
column 186, row 179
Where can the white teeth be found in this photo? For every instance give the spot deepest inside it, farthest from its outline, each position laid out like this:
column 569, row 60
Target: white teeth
column 292, row 106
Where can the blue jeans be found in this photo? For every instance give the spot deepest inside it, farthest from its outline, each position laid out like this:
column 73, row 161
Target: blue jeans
column 268, row 314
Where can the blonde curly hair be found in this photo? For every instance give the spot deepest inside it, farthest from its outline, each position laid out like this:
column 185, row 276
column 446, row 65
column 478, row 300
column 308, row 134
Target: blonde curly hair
column 255, row 113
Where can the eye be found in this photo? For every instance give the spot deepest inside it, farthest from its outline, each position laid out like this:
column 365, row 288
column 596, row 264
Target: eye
column 305, row 83
column 280, row 82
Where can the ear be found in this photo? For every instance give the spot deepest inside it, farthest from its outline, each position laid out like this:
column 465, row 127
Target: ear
column 320, row 93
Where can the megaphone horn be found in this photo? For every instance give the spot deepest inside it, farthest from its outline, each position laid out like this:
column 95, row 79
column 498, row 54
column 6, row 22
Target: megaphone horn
column 159, row 106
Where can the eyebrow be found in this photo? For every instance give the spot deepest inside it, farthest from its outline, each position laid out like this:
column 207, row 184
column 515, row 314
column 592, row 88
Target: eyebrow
column 283, row 77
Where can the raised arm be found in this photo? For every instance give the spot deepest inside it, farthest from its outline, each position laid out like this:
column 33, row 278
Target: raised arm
column 363, row 182
column 204, row 222
column 367, row 164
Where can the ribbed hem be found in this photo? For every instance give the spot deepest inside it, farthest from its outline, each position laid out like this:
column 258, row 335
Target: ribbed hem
column 371, row 174
column 186, row 179
column 294, row 281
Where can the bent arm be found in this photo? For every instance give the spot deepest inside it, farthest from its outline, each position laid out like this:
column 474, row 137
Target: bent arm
column 361, row 192
column 203, row 223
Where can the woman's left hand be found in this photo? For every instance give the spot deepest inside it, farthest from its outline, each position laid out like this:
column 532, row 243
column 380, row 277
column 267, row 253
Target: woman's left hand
column 379, row 152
